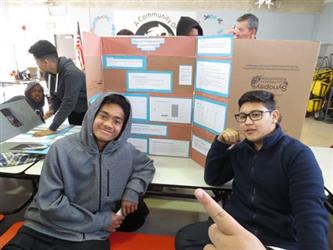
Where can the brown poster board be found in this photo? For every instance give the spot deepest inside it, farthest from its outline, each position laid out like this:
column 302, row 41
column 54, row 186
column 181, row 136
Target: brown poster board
column 283, row 67
column 92, row 48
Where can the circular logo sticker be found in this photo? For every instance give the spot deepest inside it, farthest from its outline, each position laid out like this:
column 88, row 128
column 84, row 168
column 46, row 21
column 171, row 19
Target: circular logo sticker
column 154, row 28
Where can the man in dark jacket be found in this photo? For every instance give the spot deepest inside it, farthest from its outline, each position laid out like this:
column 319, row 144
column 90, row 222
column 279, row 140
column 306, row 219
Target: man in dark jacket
column 187, row 26
column 66, row 84
column 278, row 191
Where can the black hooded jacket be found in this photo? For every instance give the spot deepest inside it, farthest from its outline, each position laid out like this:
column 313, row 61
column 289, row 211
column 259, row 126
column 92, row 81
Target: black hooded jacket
column 38, row 107
column 185, row 24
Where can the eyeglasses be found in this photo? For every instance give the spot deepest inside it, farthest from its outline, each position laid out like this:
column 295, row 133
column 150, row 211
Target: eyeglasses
column 255, row 115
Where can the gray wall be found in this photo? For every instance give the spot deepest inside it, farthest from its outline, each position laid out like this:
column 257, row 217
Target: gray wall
column 324, row 30
column 272, row 25
column 275, row 25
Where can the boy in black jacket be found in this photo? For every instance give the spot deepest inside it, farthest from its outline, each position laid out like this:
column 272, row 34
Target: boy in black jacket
column 277, row 192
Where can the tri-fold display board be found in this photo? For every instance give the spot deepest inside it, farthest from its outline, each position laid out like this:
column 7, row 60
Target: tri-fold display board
column 184, row 90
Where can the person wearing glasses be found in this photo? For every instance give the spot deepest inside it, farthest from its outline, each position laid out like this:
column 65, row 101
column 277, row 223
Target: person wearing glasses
column 278, row 191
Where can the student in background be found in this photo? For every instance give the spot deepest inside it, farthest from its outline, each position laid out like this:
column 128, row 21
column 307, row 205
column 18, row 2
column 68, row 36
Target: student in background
column 125, row 32
column 34, row 95
column 66, row 83
column 246, row 27
column 278, row 190
column 187, row 26
column 86, row 178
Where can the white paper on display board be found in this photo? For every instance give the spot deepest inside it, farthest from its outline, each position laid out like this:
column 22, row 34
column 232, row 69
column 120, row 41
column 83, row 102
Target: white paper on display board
column 139, row 105
column 148, row 129
column 148, row 43
column 176, row 148
column 177, row 110
column 150, row 81
column 139, row 143
column 221, row 45
column 185, row 74
column 124, row 62
column 209, row 115
column 213, row 76
column 200, row 145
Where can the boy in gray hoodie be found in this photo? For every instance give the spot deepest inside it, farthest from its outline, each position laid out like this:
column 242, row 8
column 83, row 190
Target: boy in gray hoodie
column 86, row 178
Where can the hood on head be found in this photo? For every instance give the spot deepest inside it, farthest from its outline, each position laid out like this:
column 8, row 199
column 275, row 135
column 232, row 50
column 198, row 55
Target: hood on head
column 36, row 106
column 87, row 136
column 29, row 87
column 185, row 24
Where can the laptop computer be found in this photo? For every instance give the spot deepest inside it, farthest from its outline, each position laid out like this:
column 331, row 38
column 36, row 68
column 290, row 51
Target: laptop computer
column 17, row 117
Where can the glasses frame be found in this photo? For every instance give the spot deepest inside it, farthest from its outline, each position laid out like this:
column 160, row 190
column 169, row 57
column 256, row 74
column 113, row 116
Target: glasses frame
column 249, row 115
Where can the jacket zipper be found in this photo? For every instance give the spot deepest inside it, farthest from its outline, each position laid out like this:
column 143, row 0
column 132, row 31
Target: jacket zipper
column 107, row 183
column 253, row 195
column 100, row 182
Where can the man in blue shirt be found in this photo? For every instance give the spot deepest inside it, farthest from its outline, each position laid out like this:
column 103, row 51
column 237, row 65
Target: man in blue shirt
column 278, row 191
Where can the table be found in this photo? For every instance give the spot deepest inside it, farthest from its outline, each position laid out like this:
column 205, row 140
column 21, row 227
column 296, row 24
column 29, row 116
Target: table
column 170, row 172
column 15, row 170
column 18, row 172
column 185, row 173
column 28, row 138
column 181, row 173
column 324, row 158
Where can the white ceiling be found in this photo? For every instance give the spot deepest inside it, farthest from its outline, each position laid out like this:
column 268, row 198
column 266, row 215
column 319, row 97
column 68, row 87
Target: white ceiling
column 301, row 6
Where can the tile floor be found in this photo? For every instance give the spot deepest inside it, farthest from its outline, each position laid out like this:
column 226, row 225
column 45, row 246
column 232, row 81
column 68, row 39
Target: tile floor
column 317, row 133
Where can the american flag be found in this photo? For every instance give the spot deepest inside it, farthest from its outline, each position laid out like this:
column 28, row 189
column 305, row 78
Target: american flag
column 79, row 51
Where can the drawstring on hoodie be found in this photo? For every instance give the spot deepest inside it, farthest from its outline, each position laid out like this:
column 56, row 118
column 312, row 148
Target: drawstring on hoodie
column 56, row 83
column 49, row 84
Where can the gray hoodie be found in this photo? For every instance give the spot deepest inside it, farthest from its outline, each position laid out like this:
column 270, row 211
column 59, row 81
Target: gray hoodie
column 80, row 186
